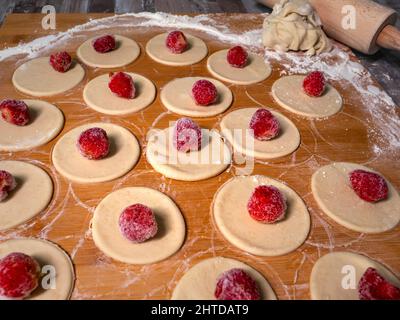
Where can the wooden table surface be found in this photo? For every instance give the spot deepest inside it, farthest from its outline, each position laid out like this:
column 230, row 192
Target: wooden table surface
column 344, row 137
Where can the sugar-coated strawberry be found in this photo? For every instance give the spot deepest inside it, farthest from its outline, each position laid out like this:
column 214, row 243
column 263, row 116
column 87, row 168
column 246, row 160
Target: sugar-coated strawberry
column 61, row 61
column 15, row 112
column 264, row 125
column 176, row 42
column 19, row 276
column 369, row 186
column 236, row 284
column 7, row 184
column 237, row 57
column 122, row 85
column 204, row 92
column 104, row 43
column 267, row 204
column 372, row 286
column 187, row 135
column 314, row 84
column 138, row 223
column 93, row 143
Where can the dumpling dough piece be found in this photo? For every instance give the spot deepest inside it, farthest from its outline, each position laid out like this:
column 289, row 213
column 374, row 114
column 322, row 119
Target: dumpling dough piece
column 199, row 282
column 38, row 78
column 126, row 52
column 332, row 191
column 31, row 196
column 294, row 25
column 330, row 275
column 99, row 97
column 158, row 51
column 235, row 127
column 288, row 92
column 236, row 225
column 177, row 97
column 109, row 239
column 47, row 254
column 124, row 154
column 46, row 123
column 213, row 158
column 255, row 71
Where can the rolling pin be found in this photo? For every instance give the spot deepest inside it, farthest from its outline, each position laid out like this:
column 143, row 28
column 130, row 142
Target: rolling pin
column 374, row 24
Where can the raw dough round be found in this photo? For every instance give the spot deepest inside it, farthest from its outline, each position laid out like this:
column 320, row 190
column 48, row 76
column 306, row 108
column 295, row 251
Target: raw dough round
column 236, row 225
column 99, row 97
column 243, row 141
column 38, row 78
column 46, row 123
column 47, row 254
column 199, row 282
column 255, row 71
column 158, row 51
column 213, row 158
column 109, row 239
column 333, row 193
column 288, row 93
column 177, row 97
column 126, row 52
column 31, row 196
column 124, row 154
column 333, row 268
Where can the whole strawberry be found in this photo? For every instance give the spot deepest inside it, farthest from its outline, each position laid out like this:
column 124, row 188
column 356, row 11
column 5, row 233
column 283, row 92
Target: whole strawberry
column 104, row 44
column 15, row 112
column 122, row 85
column 61, row 61
column 176, row 42
column 314, row 84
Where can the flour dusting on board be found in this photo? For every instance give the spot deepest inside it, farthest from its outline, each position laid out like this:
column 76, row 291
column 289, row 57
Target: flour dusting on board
column 338, row 65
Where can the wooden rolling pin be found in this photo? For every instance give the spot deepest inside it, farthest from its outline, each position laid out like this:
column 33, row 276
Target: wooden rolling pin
column 374, row 24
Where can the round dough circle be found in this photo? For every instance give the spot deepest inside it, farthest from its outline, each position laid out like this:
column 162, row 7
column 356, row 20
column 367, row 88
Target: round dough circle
column 46, row 123
column 177, row 97
column 332, row 191
column 126, row 52
column 213, row 158
column 99, row 97
column 236, row 225
column 158, row 51
column 288, row 93
column 31, row 196
column 327, row 275
column 199, row 282
column 47, row 254
column 243, row 141
column 38, row 78
column 109, row 239
column 255, row 71
column 124, row 154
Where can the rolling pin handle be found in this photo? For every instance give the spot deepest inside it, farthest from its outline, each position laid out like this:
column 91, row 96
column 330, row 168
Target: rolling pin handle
column 389, row 38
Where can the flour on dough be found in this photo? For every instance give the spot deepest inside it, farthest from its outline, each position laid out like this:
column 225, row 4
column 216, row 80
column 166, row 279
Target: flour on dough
column 235, row 127
column 38, row 78
column 212, row 159
column 234, row 222
column 109, row 239
column 126, row 52
column 158, row 51
column 176, row 96
column 199, row 282
column 333, row 193
column 47, row 254
column 124, row 154
column 329, row 274
column 46, row 123
column 98, row 96
column 31, row 196
column 288, row 92
column 255, row 71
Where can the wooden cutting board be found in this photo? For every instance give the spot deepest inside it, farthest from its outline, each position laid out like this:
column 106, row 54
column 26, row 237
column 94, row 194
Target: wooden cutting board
column 343, row 137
